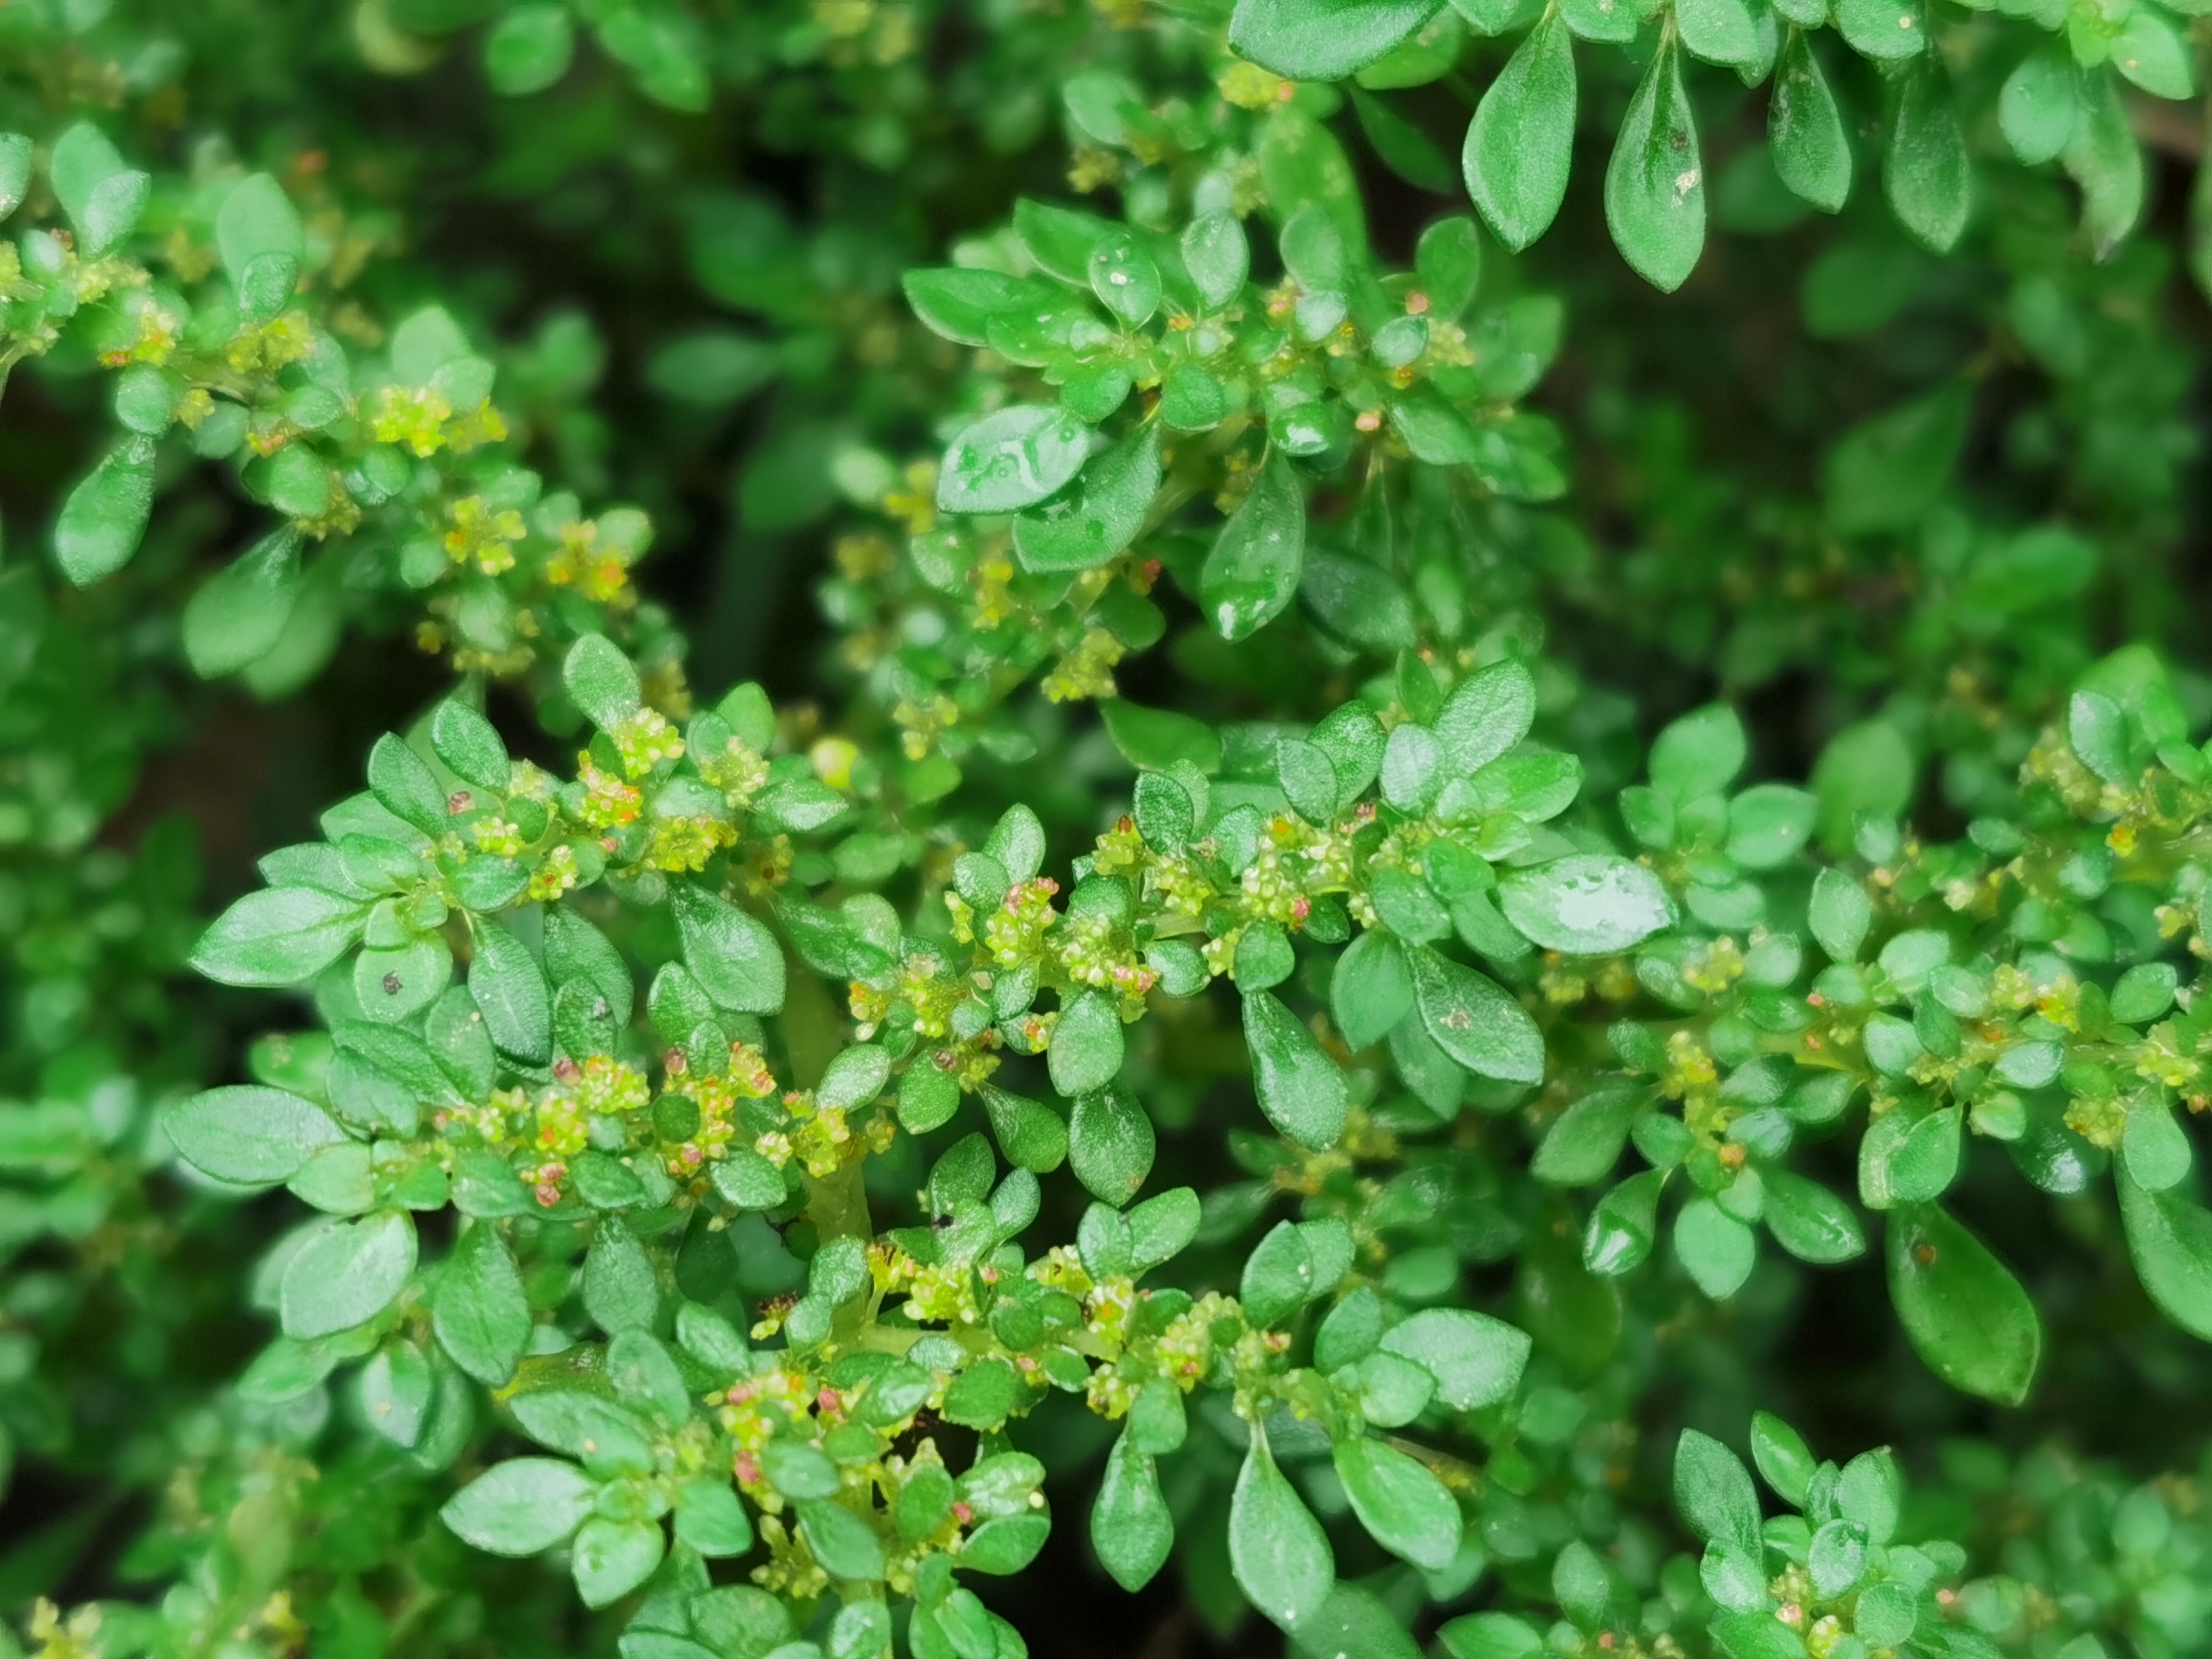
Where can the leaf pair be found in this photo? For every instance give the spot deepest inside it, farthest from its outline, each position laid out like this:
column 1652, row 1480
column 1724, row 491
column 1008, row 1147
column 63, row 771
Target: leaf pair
column 1519, row 152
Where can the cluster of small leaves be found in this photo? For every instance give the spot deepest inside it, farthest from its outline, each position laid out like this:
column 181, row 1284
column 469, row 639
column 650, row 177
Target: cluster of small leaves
column 1049, row 524
column 394, row 464
column 401, row 1109
column 2063, row 102
column 667, row 1273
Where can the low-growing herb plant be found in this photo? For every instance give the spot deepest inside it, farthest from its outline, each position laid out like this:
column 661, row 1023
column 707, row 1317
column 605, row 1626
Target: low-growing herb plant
column 1311, row 891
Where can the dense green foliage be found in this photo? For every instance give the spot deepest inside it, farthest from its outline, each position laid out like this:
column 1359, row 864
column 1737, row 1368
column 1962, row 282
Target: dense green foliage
column 1095, row 835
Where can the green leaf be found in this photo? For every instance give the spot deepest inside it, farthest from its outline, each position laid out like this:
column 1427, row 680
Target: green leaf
column 102, row 196
column 1767, row 823
column 1870, row 1493
column 1699, row 754
column 337, row 1180
column 1296, row 1262
column 1355, row 600
column 2039, row 104
column 1448, row 260
column 958, row 303
column 621, row 1291
column 1925, row 172
column 1251, row 575
column 1157, row 739
column 1718, row 31
column 1162, row 1226
column 280, row 936
column 1886, row 30
column 296, row 483
column 1101, row 516
column 845, row 1546
column 2143, row 993
column 529, row 49
column 854, row 1078
column 1323, row 40
column 258, row 234
column 1584, row 1142
column 1059, row 239
column 1810, row 1222
column 146, row 399
column 610, row 1559
column 1622, row 1228
column 731, row 953
column 395, row 1392
column 601, row 681
column 1005, row 1544
column 479, row 1310
column 1609, row 21
column 1299, row 1086
column 2170, row 1241
column 105, row 517
column 1308, row 780
column 2096, row 729
column 1840, row 915
column 510, row 991
column 239, row 613
column 1125, row 279
column 1655, row 185
column 1588, row 904
column 15, row 170
column 405, row 787
column 1086, row 1048
column 1718, row 1250
column 751, row 1183
column 1372, row 989
column 1218, row 257
column 1477, row 1360
column 1350, row 1332
column 2150, row 52
column 1490, row 711
column 2103, row 157
column 798, row 1471
column 521, row 1507
column 424, row 343
column 1354, row 742
column 1130, row 1527
column 1837, row 1559
column 1476, row 1023
column 347, row 1274
column 1520, row 142
column 251, row 1135
column 1805, row 129
column 1031, row 1133
column 1965, row 1314
column 1783, row 1458
column 1277, row 1550
column 1490, row 1636
column 1110, row 1143
column 1581, row 1585
column 1413, row 768
column 1714, row 1492
column 1012, row 460
column 466, row 742
column 2154, row 1147
column 1404, row 1507
column 711, row 1520
column 983, row 1396
column 1401, row 146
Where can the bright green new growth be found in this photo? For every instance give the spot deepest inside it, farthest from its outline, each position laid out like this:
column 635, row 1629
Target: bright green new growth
column 1416, row 882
